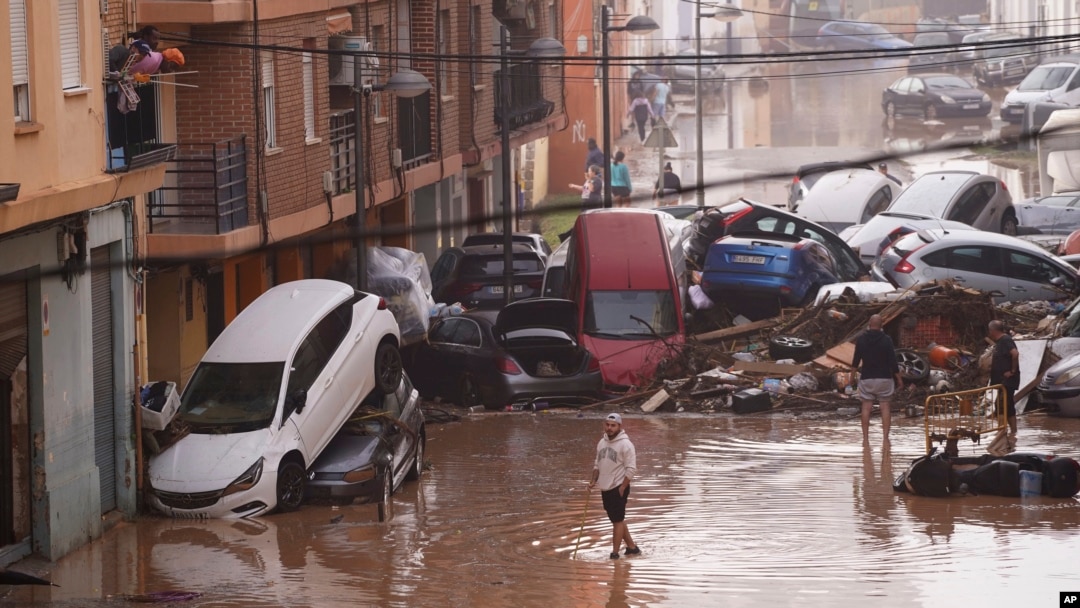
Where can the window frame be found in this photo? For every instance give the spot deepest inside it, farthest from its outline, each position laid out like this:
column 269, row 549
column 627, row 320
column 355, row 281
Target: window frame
column 20, row 72
column 308, row 78
column 69, row 44
column 269, row 99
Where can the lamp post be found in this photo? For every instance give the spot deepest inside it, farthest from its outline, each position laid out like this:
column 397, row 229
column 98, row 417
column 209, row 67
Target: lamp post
column 725, row 13
column 540, row 48
column 405, row 83
column 637, row 25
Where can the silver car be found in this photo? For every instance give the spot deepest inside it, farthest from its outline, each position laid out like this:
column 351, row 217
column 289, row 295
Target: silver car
column 968, row 197
column 1059, row 388
column 1006, row 267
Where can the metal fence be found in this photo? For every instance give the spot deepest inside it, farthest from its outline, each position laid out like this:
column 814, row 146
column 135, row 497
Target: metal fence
column 971, row 414
column 205, row 187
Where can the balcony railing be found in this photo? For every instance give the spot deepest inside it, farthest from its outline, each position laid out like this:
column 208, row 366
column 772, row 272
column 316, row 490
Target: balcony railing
column 527, row 104
column 342, row 142
column 205, row 189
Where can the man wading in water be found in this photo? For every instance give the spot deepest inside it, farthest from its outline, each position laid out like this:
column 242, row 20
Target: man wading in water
column 616, row 463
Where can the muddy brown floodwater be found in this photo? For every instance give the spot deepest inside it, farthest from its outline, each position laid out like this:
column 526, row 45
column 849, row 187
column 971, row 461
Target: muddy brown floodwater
column 733, row 511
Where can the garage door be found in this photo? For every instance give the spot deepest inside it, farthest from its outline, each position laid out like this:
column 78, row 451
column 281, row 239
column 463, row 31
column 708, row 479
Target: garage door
column 12, row 351
column 104, row 409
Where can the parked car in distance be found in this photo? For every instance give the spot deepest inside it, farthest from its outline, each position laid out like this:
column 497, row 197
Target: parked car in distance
column 554, row 285
column 1000, row 59
column 756, row 275
column 934, row 95
column 683, row 71
column 967, row 197
column 269, row 394
column 870, row 239
column 679, row 212
column 1059, row 387
column 528, row 352
column 1054, row 214
column 850, row 196
column 1056, row 79
column 935, row 60
column 953, row 29
column 474, row 275
column 807, row 175
column 380, row 447
column 536, row 241
column 1009, row 268
column 858, row 36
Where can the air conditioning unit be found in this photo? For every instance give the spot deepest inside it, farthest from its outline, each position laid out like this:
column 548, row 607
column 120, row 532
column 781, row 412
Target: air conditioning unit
column 344, row 51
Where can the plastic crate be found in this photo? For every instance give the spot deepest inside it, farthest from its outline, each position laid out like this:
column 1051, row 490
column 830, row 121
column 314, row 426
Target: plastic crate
column 159, row 412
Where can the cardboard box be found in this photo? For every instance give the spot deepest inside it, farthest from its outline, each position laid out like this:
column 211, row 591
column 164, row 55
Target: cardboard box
column 157, row 414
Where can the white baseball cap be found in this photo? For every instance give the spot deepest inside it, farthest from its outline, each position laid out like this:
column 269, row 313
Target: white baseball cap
column 617, row 419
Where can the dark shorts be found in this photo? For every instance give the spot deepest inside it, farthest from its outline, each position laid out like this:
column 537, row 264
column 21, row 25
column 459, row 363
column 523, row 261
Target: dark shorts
column 614, row 504
column 620, row 190
column 1009, row 397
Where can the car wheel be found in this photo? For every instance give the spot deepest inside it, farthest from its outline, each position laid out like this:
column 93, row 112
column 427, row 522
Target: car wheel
column 290, row 486
column 469, row 393
column 386, row 502
column 1009, row 224
column 930, row 112
column 387, row 368
column 418, row 463
column 890, row 110
column 914, row 367
column 791, row 347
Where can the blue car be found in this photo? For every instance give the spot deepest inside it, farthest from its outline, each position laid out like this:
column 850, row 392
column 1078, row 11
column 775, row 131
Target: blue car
column 756, row 274
column 857, row 36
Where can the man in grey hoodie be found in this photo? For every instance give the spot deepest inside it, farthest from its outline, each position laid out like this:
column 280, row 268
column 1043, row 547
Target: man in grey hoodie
column 875, row 358
column 615, row 466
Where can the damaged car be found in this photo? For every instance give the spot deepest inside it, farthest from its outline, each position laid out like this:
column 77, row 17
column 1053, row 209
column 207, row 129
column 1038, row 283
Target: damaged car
column 526, row 353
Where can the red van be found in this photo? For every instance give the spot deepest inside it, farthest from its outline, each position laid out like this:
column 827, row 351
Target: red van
column 619, row 271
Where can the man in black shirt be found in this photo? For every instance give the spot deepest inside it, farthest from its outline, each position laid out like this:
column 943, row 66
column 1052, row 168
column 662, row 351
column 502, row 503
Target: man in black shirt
column 668, row 187
column 875, row 358
column 1005, row 370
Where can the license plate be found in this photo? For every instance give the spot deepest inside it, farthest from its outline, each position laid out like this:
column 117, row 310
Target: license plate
column 971, row 106
column 749, row 259
column 1016, row 110
column 500, row 289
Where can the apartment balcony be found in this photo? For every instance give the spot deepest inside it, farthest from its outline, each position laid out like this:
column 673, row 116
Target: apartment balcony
column 205, row 190
column 527, row 104
column 342, row 146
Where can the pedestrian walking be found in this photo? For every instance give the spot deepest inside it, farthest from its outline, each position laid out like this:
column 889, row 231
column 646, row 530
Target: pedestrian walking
column 614, row 468
column 620, row 181
column 883, row 169
column 1005, row 370
column 668, row 187
column 879, row 374
column 594, row 156
column 592, row 190
column 641, row 110
column 660, row 100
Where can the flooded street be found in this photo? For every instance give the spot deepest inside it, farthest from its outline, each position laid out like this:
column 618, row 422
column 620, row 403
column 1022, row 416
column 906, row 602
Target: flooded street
column 743, row 511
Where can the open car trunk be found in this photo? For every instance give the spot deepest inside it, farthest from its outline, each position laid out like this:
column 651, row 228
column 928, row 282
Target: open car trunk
column 549, row 362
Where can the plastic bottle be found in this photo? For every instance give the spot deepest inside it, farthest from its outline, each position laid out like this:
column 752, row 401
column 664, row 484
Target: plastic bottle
column 836, row 314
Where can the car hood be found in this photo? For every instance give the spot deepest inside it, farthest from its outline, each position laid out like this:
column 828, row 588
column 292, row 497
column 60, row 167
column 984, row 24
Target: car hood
column 346, row 453
column 1069, row 362
column 549, row 313
column 961, row 94
column 628, row 362
column 204, row 463
column 1023, row 97
column 892, row 43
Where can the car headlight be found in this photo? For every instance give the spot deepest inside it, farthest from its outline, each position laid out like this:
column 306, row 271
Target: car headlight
column 247, row 480
column 947, row 99
column 361, row 474
column 1067, row 376
column 985, row 97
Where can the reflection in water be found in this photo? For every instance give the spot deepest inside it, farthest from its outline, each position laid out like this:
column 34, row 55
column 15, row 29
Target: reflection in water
column 747, row 511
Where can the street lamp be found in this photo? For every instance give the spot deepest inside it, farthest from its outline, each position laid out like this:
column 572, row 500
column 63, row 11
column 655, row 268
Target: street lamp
column 405, row 83
column 637, row 25
column 725, row 13
column 540, row 48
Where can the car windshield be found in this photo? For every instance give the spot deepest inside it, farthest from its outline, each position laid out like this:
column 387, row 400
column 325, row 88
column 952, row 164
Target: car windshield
column 1045, row 78
column 231, row 397
column 631, row 314
column 930, row 194
column 947, row 82
column 492, row 265
column 873, row 29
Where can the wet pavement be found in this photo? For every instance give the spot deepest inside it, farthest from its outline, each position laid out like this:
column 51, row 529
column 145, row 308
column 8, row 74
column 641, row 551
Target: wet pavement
column 737, row 511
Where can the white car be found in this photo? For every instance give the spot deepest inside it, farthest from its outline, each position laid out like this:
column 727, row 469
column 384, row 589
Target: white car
column 846, row 197
column 871, row 238
column 270, row 393
column 1054, row 80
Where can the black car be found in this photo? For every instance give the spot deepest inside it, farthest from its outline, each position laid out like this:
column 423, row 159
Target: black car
column 932, row 60
column 934, row 95
column 379, row 448
column 747, row 218
column 474, row 277
column 536, row 241
column 807, row 175
column 526, row 354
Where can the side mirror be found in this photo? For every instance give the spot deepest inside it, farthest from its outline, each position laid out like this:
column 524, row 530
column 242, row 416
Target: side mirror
column 298, row 399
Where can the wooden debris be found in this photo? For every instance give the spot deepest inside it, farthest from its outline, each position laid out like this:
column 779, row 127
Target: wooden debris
column 738, row 330
column 659, row 398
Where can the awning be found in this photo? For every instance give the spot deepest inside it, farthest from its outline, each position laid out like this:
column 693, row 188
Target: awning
column 338, row 21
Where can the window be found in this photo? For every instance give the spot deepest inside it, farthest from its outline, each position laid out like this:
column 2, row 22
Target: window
column 309, row 93
column 269, row 114
column 877, row 203
column 1027, row 267
column 404, row 40
column 70, row 57
column 20, row 67
column 467, row 333
column 375, row 100
column 476, row 49
column 553, row 20
column 611, row 314
column 972, row 203
column 984, row 260
column 442, row 43
column 316, row 351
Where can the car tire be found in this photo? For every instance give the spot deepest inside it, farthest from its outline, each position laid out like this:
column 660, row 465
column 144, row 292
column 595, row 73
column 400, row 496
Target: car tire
column 930, row 112
column 469, row 393
column 791, row 347
column 890, row 110
column 914, row 368
column 417, row 469
column 290, row 486
column 386, row 499
column 1009, row 224
column 387, row 368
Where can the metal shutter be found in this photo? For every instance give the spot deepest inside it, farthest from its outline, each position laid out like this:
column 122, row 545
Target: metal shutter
column 70, row 58
column 12, row 324
column 20, row 70
column 309, row 96
column 104, row 408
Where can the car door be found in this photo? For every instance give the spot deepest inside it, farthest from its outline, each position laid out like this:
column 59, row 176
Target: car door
column 399, row 429
column 848, row 266
column 915, row 97
column 1032, row 277
column 1071, row 95
column 972, row 207
column 436, row 363
column 1052, row 214
column 975, row 266
column 878, row 202
column 314, row 369
column 443, row 271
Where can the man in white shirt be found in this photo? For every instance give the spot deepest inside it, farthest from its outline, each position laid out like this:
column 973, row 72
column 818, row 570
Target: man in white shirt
column 615, row 466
